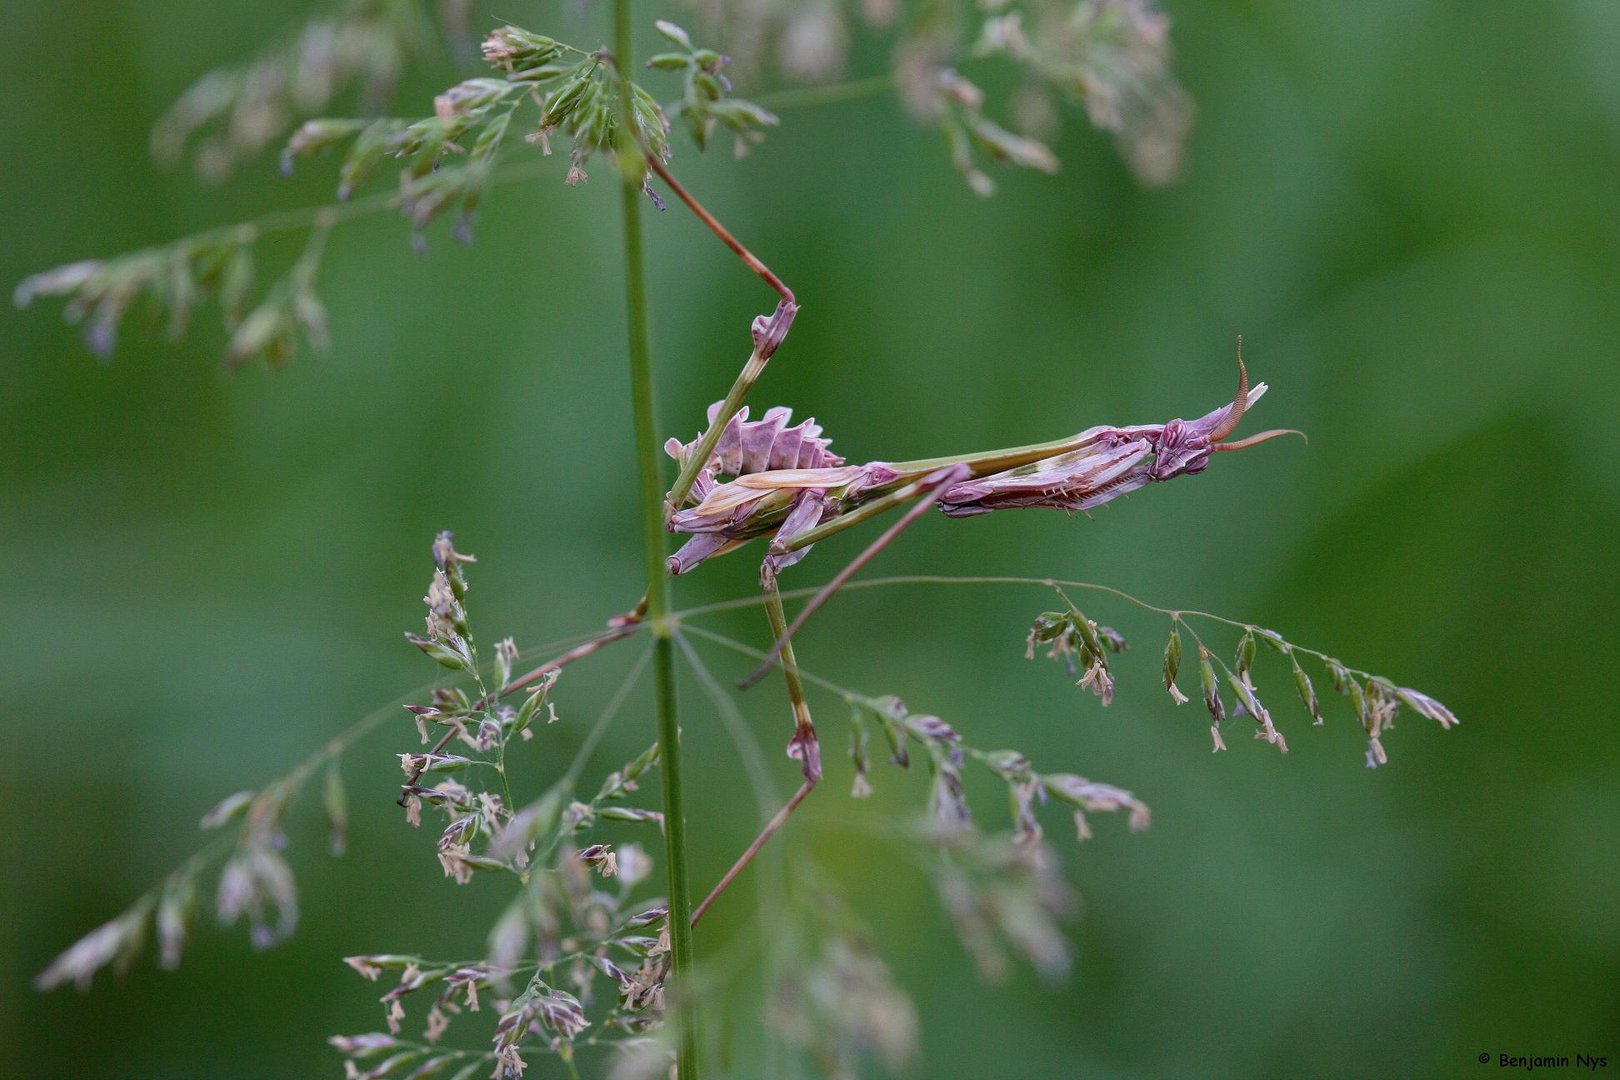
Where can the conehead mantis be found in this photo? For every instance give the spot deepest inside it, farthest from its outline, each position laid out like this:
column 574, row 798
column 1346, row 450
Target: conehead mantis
column 742, row 480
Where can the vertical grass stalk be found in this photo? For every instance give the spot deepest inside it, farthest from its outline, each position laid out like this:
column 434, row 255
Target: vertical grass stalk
column 648, row 458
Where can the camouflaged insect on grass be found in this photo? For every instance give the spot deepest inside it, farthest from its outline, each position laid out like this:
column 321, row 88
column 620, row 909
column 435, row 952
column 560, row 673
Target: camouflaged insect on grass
column 581, row 954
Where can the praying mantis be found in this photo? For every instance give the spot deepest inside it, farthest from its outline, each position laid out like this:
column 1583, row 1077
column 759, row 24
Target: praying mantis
column 743, row 480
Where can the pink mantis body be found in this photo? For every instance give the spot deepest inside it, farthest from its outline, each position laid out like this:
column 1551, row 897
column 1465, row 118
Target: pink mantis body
column 743, row 480
column 764, row 479
column 784, row 482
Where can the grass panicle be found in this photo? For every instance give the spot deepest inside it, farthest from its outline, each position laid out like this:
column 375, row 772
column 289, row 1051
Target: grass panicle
column 591, row 959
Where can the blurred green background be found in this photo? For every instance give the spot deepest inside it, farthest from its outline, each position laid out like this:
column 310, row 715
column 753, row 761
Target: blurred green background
column 1410, row 211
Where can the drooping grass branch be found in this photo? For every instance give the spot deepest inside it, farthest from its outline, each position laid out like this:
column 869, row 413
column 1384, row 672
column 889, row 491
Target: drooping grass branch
column 173, row 904
column 219, row 265
column 1375, row 699
column 1000, row 894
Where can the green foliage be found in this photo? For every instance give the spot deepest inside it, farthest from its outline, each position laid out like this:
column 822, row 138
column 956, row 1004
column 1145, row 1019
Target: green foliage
column 1437, row 549
column 705, row 93
column 230, row 114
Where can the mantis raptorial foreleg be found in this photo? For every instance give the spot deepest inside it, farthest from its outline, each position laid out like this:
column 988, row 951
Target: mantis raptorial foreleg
column 799, row 493
column 804, row 746
column 926, row 491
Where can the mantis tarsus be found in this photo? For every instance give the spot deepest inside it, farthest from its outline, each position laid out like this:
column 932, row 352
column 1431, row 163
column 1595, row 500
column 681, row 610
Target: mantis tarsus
column 742, row 480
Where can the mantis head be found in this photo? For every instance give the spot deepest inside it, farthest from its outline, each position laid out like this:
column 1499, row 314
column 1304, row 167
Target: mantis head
column 1184, row 446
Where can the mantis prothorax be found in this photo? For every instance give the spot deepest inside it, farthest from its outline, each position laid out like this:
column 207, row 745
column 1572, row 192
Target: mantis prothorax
column 741, row 480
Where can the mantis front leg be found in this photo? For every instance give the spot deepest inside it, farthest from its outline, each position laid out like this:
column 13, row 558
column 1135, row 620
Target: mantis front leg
column 927, row 491
column 804, row 746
